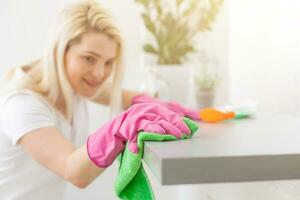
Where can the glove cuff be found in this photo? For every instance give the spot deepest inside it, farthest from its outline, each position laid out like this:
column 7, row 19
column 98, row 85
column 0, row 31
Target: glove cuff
column 105, row 150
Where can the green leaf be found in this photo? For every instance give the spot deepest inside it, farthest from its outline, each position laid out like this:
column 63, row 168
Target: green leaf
column 180, row 35
column 157, row 4
column 149, row 24
column 150, row 49
column 186, row 49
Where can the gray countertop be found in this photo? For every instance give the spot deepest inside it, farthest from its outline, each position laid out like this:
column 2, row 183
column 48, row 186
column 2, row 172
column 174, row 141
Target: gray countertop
column 263, row 148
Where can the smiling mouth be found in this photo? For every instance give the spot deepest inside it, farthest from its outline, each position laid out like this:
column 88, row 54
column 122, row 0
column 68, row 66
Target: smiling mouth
column 91, row 83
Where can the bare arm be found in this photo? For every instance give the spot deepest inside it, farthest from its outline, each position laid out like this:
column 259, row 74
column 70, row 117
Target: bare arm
column 52, row 150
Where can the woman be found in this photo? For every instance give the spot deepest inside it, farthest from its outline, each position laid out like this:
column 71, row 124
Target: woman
column 44, row 114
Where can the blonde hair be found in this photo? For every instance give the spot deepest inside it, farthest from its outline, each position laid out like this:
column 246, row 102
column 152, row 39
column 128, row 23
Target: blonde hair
column 47, row 75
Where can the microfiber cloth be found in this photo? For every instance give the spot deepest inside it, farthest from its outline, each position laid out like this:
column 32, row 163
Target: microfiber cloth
column 132, row 182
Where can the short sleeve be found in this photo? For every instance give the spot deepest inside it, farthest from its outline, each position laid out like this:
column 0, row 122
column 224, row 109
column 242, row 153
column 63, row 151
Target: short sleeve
column 22, row 113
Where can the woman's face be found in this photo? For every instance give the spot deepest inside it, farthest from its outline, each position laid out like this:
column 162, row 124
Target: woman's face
column 90, row 62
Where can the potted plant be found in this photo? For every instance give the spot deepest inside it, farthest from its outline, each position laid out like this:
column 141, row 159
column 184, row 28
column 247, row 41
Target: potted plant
column 206, row 80
column 174, row 26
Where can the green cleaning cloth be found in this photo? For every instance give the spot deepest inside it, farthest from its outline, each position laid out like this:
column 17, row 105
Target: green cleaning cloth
column 132, row 182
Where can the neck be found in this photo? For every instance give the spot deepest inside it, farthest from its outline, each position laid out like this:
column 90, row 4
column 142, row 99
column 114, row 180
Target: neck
column 61, row 104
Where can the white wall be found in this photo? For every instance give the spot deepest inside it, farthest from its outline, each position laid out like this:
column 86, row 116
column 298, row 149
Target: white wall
column 264, row 56
column 264, row 65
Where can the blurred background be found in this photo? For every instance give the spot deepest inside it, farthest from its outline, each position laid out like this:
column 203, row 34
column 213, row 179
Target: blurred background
column 229, row 51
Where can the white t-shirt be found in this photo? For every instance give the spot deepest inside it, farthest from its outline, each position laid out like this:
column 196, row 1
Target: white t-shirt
column 21, row 177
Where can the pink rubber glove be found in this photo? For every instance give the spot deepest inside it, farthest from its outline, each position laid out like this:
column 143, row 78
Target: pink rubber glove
column 107, row 142
column 176, row 107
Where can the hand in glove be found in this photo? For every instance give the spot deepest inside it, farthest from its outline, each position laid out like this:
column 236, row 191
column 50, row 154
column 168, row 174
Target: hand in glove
column 107, row 142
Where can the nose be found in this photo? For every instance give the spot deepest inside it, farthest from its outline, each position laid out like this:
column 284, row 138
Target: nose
column 99, row 71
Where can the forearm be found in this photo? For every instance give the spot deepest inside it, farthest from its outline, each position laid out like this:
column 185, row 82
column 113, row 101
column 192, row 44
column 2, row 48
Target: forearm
column 79, row 169
column 52, row 150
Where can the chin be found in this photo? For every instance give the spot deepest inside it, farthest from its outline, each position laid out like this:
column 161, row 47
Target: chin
column 87, row 93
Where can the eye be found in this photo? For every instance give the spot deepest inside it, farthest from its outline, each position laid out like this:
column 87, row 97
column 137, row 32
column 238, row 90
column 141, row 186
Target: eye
column 109, row 63
column 90, row 59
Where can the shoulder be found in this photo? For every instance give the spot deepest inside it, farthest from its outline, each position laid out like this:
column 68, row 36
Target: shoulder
column 24, row 99
column 22, row 112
